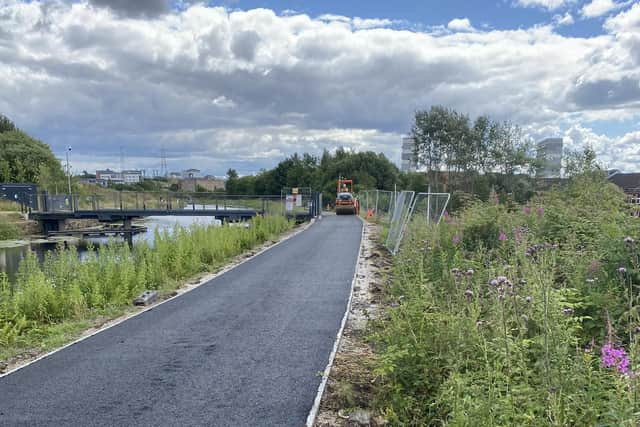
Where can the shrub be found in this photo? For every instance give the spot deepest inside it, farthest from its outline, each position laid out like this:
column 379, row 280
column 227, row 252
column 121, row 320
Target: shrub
column 9, row 231
column 507, row 311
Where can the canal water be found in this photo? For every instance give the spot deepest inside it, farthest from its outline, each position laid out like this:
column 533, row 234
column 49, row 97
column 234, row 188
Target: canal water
column 10, row 257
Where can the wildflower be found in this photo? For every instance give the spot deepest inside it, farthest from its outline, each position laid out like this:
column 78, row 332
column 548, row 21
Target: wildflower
column 629, row 240
column 528, row 299
column 468, row 294
column 524, row 317
column 527, row 210
column 502, row 237
column 509, row 283
column 501, row 279
column 540, row 211
column 470, row 272
column 493, row 282
column 456, row 240
column 567, row 311
column 613, row 357
column 622, row 270
column 480, row 323
column 522, row 282
column 590, row 280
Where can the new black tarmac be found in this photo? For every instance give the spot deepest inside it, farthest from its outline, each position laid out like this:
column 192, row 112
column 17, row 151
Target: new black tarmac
column 244, row 349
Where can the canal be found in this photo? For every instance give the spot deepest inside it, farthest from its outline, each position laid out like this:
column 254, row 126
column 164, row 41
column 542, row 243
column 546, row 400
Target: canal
column 12, row 255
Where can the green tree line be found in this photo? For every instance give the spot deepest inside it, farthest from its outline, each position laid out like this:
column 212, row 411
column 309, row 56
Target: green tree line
column 26, row 160
column 367, row 169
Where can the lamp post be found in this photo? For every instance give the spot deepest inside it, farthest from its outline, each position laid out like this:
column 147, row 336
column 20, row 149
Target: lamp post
column 68, row 170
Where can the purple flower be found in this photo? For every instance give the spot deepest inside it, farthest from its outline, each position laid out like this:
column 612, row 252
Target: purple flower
column 622, row 270
column 480, row 323
column 493, row 282
column 540, row 211
column 567, row 311
column 468, row 294
column 629, row 240
column 502, row 237
column 456, row 240
column 527, row 210
column 501, row 279
column 615, row 357
column 470, row 272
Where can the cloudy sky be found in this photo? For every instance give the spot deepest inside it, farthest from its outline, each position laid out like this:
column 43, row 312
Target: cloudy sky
column 244, row 83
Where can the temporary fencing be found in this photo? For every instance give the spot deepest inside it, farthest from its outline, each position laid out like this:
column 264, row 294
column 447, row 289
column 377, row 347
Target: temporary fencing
column 397, row 209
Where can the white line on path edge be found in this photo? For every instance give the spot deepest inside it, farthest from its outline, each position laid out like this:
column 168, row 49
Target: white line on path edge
column 311, row 418
column 205, row 279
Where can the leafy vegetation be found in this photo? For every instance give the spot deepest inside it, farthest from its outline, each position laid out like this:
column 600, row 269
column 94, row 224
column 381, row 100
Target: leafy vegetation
column 8, row 231
column 517, row 314
column 367, row 169
column 67, row 289
column 24, row 159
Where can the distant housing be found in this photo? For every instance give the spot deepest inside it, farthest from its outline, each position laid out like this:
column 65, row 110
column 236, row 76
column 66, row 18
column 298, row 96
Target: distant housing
column 106, row 176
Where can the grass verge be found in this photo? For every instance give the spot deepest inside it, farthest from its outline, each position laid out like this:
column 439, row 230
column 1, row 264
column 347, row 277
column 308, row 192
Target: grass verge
column 52, row 302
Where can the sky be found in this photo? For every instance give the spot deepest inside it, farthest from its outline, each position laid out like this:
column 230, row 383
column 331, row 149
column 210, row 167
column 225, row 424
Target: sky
column 245, row 83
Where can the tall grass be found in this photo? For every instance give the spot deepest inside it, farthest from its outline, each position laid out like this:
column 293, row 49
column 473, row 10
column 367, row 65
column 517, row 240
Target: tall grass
column 510, row 315
column 65, row 288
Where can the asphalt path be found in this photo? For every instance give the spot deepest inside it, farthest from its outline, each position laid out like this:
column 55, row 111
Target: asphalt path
column 244, row 349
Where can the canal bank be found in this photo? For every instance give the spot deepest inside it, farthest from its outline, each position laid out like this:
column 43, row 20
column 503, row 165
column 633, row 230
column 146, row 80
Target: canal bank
column 54, row 302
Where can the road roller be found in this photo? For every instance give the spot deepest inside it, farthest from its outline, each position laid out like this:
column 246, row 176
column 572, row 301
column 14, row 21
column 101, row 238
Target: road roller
column 346, row 203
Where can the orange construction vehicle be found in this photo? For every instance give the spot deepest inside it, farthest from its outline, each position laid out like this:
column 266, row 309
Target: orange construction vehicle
column 346, row 203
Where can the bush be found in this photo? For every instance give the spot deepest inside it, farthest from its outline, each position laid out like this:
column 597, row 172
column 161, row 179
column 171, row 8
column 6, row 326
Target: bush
column 508, row 313
column 9, row 231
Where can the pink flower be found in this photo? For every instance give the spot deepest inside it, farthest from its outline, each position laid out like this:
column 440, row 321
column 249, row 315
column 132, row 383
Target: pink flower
column 540, row 211
column 615, row 357
column 456, row 240
column 502, row 237
column 527, row 210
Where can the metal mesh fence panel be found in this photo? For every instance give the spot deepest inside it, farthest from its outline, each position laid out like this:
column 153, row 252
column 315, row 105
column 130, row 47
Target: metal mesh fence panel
column 402, row 203
column 430, row 207
column 377, row 204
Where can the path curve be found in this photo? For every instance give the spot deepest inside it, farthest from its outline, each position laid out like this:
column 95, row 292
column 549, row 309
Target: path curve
column 244, row 349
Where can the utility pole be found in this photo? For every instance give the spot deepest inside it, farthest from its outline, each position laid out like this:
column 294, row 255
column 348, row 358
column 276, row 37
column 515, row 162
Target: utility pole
column 68, row 170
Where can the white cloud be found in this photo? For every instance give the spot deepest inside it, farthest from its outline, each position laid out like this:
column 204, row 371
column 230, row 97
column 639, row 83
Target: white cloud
column 546, row 4
column 598, row 8
column 566, row 19
column 460, row 24
column 246, row 88
column 614, row 152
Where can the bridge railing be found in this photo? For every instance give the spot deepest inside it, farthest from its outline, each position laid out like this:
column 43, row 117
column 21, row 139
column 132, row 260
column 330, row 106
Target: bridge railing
column 173, row 201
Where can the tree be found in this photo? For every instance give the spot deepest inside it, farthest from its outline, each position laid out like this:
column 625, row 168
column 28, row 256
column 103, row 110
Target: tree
column 6, row 125
column 231, row 185
column 24, row 159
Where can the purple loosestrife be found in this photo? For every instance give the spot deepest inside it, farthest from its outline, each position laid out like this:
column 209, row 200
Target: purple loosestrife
column 527, row 210
column 540, row 211
column 502, row 237
column 456, row 240
column 615, row 357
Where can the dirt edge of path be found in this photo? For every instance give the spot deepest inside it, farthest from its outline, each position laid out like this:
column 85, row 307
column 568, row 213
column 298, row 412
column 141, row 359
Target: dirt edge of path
column 100, row 324
column 349, row 390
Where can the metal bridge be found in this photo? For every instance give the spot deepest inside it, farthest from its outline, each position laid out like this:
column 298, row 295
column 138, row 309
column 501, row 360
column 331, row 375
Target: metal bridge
column 52, row 211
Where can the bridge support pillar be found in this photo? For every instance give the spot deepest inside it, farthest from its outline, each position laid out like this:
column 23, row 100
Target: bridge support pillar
column 128, row 235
